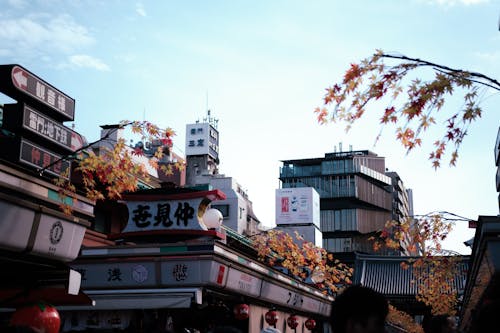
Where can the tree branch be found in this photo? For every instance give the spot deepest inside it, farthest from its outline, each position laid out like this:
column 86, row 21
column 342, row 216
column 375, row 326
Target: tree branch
column 73, row 155
column 494, row 83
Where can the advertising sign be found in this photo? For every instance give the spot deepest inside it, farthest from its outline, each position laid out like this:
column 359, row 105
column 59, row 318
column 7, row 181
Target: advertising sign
column 42, row 158
column 202, row 139
column 243, row 282
column 297, row 206
column 23, row 85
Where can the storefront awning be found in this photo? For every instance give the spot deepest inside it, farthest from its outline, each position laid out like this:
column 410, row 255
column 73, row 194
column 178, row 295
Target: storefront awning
column 140, row 299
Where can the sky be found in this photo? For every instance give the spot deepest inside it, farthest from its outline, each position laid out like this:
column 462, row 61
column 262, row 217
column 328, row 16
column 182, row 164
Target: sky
column 262, row 67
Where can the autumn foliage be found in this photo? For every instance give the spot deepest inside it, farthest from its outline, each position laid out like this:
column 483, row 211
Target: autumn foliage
column 411, row 104
column 434, row 270
column 403, row 320
column 108, row 172
column 303, row 260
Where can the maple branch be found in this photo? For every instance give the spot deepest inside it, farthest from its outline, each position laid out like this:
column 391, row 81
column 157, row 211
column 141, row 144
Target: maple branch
column 443, row 213
column 445, row 69
column 73, row 155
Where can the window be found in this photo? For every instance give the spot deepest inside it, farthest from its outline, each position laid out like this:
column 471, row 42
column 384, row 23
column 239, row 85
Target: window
column 224, row 209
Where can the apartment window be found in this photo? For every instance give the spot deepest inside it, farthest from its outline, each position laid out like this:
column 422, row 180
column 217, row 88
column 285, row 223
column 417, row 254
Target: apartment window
column 224, row 209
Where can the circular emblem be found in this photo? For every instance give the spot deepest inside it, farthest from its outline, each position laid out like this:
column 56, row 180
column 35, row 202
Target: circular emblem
column 56, row 232
column 139, row 273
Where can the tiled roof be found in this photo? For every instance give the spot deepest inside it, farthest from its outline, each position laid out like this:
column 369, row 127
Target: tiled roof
column 384, row 274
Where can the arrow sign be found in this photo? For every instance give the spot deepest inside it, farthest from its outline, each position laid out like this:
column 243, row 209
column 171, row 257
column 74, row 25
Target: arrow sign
column 50, row 129
column 76, row 141
column 23, row 86
column 19, row 78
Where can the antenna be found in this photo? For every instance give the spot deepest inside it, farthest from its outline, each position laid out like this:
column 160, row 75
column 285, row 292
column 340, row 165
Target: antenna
column 206, row 104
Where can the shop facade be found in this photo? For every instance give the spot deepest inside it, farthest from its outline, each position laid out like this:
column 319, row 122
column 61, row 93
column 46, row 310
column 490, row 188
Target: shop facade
column 166, row 274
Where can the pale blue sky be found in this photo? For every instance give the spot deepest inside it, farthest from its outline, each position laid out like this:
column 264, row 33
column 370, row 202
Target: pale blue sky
column 265, row 65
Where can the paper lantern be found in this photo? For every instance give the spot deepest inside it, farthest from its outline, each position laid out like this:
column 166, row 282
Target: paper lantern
column 40, row 316
column 241, row 311
column 212, row 218
column 293, row 322
column 271, row 317
column 310, row 324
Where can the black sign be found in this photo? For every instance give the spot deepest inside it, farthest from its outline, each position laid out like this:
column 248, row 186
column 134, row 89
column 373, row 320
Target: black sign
column 20, row 84
column 51, row 130
column 41, row 158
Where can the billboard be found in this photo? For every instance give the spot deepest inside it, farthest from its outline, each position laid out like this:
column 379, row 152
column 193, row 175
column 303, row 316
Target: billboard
column 202, row 139
column 298, row 205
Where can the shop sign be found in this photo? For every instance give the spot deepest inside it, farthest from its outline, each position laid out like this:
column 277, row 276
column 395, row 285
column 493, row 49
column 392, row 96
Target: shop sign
column 287, row 297
column 137, row 274
column 182, row 272
column 21, row 85
column 57, row 238
column 243, row 282
column 164, row 215
column 42, row 158
column 144, row 274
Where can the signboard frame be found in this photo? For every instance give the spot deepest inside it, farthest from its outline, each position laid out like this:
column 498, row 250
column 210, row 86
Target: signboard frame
column 23, row 85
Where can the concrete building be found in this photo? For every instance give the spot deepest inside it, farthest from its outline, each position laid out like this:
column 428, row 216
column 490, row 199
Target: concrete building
column 237, row 208
column 202, row 169
column 356, row 196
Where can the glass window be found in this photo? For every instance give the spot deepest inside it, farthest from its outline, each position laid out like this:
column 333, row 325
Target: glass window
column 224, row 209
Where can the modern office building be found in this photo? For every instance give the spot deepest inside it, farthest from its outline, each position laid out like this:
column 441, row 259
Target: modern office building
column 356, row 196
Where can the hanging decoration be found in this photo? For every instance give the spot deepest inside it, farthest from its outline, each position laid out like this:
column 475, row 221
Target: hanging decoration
column 271, row 317
column 310, row 324
column 293, row 322
column 241, row 311
column 40, row 316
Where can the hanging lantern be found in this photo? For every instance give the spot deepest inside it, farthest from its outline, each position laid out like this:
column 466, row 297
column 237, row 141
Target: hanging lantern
column 40, row 316
column 293, row 322
column 241, row 311
column 271, row 317
column 310, row 324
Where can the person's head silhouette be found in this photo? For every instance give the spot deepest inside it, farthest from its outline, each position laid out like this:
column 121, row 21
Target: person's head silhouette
column 359, row 309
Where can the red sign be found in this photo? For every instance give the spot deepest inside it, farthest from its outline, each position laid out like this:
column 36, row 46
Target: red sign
column 41, row 158
column 24, row 84
column 284, row 205
column 220, row 275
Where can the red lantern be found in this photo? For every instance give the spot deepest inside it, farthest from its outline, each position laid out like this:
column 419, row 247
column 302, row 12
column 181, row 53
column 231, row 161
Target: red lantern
column 293, row 322
column 310, row 324
column 40, row 316
column 271, row 317
column 241, row 311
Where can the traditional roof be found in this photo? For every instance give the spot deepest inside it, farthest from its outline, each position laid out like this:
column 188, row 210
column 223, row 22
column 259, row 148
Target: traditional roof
column 384, row 274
